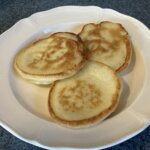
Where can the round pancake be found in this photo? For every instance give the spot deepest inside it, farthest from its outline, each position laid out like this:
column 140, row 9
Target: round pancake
column 108, row 43
column 50, row 59
column 85, row 98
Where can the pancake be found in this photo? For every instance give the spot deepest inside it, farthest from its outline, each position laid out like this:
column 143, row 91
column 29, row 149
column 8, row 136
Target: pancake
column 108, row 43
column 53, row 58
column 86, row 98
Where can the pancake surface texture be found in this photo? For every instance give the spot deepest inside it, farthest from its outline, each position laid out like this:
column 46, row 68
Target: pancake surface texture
column 108, row 43
column 50, row 59
column 86, row 98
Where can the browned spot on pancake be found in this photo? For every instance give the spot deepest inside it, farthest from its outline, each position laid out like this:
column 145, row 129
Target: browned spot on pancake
column 64, row 48
column 71, row 44
column 94, row 32
column 79, row 95
column 95, row 45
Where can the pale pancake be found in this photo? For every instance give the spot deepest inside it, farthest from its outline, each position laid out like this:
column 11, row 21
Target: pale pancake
column 86, row 98
column 51, row 59
column 108, row 43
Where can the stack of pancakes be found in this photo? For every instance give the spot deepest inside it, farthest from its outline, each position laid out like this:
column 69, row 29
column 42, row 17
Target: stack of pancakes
column 81, row 70
column 57, row 57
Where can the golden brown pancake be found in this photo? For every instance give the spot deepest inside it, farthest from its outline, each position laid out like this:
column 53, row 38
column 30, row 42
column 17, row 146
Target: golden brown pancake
column 108, row 43
column 85, row 98
column 57, row 57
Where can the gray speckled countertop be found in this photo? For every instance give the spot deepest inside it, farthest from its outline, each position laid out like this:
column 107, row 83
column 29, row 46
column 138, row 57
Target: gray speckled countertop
column 13, row 10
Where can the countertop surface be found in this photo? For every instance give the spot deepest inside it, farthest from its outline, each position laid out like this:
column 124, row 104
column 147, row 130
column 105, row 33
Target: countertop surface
column 12, row 11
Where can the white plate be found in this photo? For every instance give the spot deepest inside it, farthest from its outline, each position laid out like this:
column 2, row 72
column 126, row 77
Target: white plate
column 23, row 106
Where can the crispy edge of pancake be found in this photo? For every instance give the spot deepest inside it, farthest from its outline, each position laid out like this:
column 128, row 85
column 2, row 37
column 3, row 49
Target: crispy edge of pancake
column 84, row 123
column 35, row 78
column 63, row 34
column 44, row 79
column 127, row 40
column 128, row 56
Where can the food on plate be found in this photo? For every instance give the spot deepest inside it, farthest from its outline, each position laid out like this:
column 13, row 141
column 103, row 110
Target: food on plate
column 56, row 57
column 82, row 70
column 86, row 98
column 108, row 43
